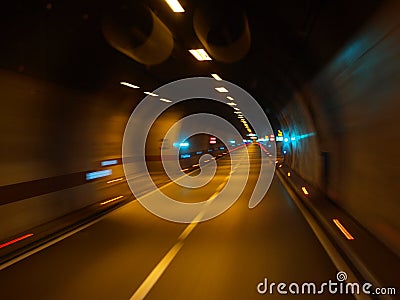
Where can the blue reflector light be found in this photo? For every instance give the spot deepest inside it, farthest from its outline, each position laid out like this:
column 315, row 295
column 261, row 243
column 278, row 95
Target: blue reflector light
column 98, row 174
column 185, row 155
column 111, row 162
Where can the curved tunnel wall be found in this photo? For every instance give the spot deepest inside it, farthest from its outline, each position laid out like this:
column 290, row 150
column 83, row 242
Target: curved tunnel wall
column 53, row 136
column 354, row 105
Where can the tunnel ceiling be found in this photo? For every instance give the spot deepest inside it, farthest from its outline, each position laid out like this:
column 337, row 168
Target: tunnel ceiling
column 290, row 41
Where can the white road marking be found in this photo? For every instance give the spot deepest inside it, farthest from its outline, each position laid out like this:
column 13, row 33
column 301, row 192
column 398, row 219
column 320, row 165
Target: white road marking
column 153, row 277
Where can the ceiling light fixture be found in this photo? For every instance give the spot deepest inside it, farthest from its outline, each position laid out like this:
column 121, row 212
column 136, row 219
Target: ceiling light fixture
column 200, row 54
column 151, row 94
column 230, row 98
column 175, row 6
column 165, row 100
column 129, row 85
column 221, row 89
column 216, row 77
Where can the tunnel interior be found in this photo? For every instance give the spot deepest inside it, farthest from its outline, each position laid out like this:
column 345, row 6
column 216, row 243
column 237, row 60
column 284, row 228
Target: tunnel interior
column 325, row 73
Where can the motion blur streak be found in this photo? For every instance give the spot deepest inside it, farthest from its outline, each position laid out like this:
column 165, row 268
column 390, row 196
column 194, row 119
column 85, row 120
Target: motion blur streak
column 15, row 240
column 325, row 73
column 115, row 180
column 343, row 229
column 111, row 200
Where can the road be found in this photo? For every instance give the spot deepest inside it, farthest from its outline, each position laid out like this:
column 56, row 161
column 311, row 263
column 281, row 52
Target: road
column 131, row 252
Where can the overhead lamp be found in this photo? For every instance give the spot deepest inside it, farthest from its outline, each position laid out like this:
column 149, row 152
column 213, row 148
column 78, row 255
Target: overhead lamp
column 237, row 112
column 216, row 77
column 129, row 85
column 200, row 54
column 151, row 94
column 235, row 108
column 232, row 103
column 230, row 98
column 165, row 100
column 175, row 6
column 221, row 89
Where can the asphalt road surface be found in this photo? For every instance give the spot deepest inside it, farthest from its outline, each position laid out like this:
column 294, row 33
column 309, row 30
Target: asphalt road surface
column 132, row 253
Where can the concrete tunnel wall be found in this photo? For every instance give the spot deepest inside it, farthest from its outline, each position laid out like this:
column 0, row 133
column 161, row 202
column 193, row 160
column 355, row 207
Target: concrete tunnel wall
column 353, row 107
column 50, row 131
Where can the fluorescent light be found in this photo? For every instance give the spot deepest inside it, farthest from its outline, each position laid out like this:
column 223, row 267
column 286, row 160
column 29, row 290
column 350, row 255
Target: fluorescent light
column 237, row 112
column 165, row 100
column 200, row 54
column 129, row 85
column 175, row 6
column 151, row 94
column 216, row 77
column 221, row 89
column 232, row 103
column 230, row 98
column 235, row 108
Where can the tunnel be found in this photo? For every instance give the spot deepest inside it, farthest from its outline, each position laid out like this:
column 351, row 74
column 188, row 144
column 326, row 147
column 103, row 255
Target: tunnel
column 200, row 149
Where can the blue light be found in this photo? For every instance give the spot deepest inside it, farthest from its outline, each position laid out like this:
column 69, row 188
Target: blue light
column 284, row 152
column 286, row 140
column 293, row 138
column 199, row 152
column 221, row 148
column 279, row 138
column 232, row 142
column 98, row 174
column 185, row 144
column 210, row 150
column 109, row 162
column 185, row 155
column 303, row 136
